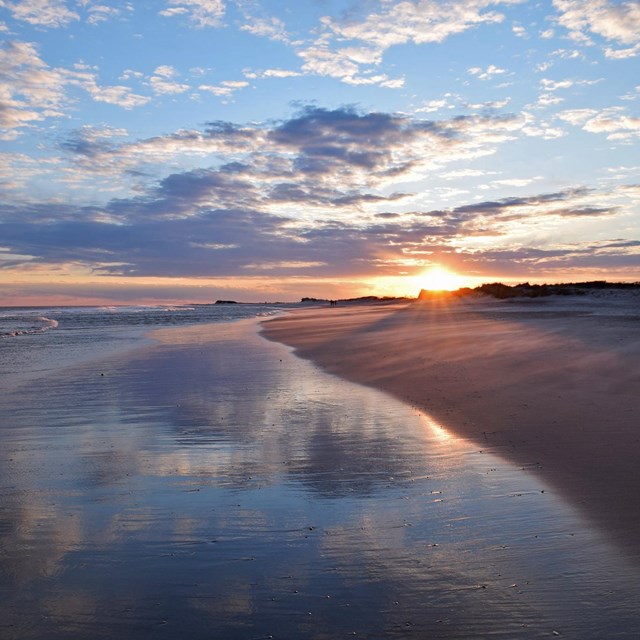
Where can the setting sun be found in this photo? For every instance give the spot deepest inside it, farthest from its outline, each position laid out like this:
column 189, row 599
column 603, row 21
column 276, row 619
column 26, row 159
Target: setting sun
column 440, row 279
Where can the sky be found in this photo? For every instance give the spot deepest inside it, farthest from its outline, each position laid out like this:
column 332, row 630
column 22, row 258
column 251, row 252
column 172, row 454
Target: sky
column 192, row 150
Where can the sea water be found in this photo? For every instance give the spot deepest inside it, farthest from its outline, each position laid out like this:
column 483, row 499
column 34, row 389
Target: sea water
column 35, row 340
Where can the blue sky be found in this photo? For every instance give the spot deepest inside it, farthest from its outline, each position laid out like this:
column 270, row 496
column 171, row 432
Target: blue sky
column 187, row 150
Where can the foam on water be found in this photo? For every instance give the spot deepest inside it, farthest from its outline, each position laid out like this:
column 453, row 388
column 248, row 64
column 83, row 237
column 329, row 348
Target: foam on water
column 12, row 327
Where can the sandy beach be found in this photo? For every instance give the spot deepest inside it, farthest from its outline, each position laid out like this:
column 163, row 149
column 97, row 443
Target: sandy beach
column 552, row 383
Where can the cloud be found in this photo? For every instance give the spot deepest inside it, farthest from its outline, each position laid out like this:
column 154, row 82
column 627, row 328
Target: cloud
column 333, row 157
column 117, row 95
column 101, row 13
column 614, row 21
column 225, row 89
column 271, row 73
column 285, row 190
column 203, row 13
column 421, row 22
column 486, row 74
column 570, row 203
column 42, row 13
column 251, row 217
column 31, row 90
column 313, row 193
column 613, row 121
column 271, row 28
column 163, row 81
column 558, row 259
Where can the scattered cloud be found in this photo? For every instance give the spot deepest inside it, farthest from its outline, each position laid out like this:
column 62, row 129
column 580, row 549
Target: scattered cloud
column 270, row 73
column 617, row 22
column 163, row 81
column 519, row 31
column 271, row 28
column 42, row 13
column 613, row 121
column 31, row 90
column 225, row 89
column 203, row 13
column 326, row 156
column 101, row 13
column 420, row 22
column 488, row 73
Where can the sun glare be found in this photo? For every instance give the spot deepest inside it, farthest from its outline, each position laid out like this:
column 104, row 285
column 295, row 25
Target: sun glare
column 440, row 279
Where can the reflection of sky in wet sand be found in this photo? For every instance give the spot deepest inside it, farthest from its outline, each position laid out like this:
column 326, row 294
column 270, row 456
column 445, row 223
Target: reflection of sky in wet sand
column 231, row 490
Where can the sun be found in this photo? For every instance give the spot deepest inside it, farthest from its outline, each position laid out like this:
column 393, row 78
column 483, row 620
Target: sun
column 438, row 278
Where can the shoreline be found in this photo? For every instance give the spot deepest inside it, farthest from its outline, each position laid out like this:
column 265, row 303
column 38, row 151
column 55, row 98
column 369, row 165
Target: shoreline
column 540, row 385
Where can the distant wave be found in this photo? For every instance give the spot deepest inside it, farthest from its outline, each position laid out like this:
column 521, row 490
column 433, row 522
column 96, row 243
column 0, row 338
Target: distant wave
column 37, row 325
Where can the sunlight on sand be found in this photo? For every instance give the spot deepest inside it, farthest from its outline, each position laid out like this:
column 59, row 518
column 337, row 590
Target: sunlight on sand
column 438, row 432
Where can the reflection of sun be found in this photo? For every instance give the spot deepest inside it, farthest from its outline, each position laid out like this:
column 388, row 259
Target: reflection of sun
column 440, row 279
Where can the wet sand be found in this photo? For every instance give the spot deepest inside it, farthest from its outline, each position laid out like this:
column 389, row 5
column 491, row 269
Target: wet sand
column 214, row 485
column 552, row 383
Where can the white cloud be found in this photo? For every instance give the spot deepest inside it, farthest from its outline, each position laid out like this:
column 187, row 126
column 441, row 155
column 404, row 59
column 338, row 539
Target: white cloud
column 543, row 130
column 515, row 182
column 225, row 89
column 577, row 116
column 117, row 95
column 549, row 99
column 345, row 64
column 381, row 80
column 127, row 74
column 613, row 21
column 204, row 13
column 621, row 54
column 43, row 13
column 163, row 81
column 420, row 22
column 431, row 106
column 31, row 91
column 321, row 60
column 466, row 173
column 271, row 73
column 272, row 28
column 520, row 31
column 554, row 85
column 488, row 73
column 619, row 126
column 569, row 54
column 613, row 121
column 101, row 13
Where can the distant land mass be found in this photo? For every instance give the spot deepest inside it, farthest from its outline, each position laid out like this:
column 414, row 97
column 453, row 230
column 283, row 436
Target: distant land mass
column 525, row 290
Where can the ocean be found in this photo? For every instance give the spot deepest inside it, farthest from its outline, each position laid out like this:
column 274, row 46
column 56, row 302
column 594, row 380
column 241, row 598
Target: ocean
column 37, row 340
